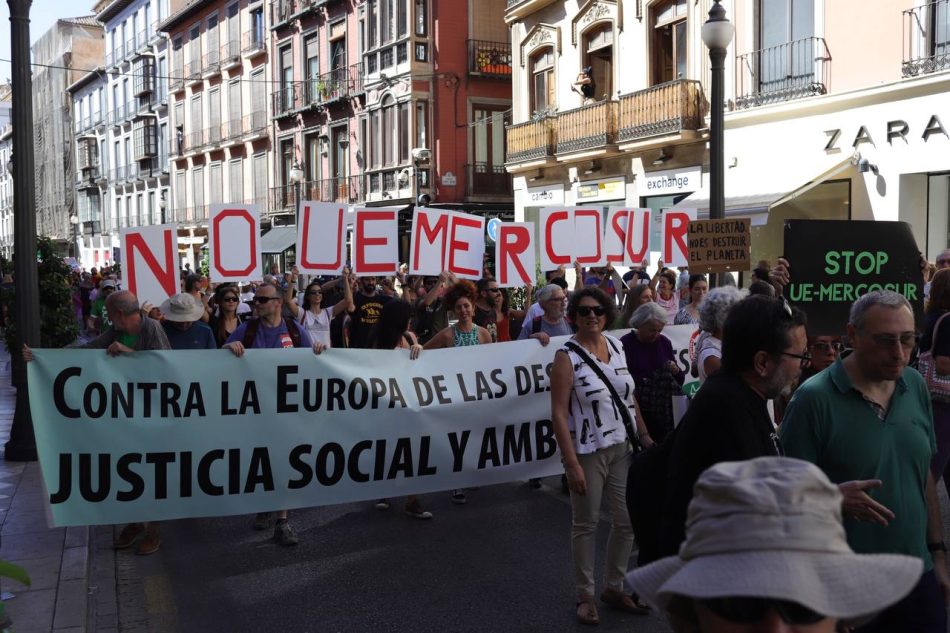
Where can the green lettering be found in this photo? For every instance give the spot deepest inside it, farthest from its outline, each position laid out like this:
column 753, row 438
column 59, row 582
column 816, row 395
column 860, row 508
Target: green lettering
column 831, row 261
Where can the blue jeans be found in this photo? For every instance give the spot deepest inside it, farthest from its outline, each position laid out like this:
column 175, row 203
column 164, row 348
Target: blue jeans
column 923, row 610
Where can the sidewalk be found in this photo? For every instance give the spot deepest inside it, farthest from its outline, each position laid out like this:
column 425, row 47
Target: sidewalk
column 57, row 560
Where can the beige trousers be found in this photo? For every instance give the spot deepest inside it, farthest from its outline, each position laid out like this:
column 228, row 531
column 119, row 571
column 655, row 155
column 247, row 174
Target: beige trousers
column 606, row 474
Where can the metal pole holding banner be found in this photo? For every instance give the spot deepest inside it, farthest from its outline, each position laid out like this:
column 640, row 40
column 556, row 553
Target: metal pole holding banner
column 22, row 444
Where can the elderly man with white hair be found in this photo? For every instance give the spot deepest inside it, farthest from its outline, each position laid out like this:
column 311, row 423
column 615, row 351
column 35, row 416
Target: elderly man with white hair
column 553, row 301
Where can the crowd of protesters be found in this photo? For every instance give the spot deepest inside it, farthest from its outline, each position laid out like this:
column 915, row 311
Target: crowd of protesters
column 850, row 402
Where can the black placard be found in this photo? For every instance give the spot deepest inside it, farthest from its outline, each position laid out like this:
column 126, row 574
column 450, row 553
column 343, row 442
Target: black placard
column 833, row 262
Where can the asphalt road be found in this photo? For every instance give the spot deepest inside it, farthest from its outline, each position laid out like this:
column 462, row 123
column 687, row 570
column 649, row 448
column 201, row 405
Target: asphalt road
column 499, row 563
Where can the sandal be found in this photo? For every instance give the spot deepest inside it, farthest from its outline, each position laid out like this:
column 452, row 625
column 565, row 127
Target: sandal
column 622, row 602
column 587, row 611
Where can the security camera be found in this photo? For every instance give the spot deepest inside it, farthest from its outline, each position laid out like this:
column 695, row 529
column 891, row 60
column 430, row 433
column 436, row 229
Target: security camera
column 421, row 154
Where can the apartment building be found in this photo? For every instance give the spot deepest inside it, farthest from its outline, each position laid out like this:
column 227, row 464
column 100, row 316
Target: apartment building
column 91, row 159
column 136, row 114
column 639, row 138
column 220, row 146
column 6, row 191
column 61, row 55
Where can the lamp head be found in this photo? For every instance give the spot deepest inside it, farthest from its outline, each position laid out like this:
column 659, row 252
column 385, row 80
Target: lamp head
column 296, row 173
column 717, row 31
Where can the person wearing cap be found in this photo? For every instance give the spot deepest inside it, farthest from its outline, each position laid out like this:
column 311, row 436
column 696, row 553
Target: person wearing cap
column 97, row 312
column 869, row 416
column 766, row 551
column 183, row 325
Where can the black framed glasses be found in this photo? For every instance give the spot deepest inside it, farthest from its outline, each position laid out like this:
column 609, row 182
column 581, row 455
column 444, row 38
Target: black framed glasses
column 586, row 310
column 751, row 610
column 229, row 300
column 824, row 347
column 804, row 359
column 263, row 300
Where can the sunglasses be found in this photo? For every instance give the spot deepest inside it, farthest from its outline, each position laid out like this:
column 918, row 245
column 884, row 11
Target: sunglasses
column 229, row 300
column 751, row 610
column 263, row 300
column 586, row 310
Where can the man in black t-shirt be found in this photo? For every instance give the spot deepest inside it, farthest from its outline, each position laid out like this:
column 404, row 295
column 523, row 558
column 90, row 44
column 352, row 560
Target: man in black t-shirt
column 367, row 308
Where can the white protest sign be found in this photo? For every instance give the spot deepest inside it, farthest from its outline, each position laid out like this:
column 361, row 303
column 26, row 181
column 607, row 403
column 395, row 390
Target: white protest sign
column 151, row 261
column 514, row 254
column 588, row 248
column 466, row 253
column 321, row 238
column 557, row 236
column 673, row 237
column 615, row 234
column 428, row 241
column 375, row 251
column 637, row 240
column 234, row 239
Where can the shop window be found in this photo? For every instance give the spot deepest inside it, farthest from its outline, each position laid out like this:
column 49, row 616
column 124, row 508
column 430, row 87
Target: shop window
column 669, row 46
column 543, row 96
column 599, row 47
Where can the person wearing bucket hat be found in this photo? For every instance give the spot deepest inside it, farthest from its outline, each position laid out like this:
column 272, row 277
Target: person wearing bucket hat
column 766, row 550
column 183, row 325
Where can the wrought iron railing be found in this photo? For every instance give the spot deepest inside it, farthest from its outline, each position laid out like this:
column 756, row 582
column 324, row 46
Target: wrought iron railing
column 254, row 41
column 530, row 140
column 287, row 99
column 282, row 11
column 338, row 84
column 230, row 52
column 211, row 62
column 663, row 109
column 926, row 39
column 255, row 123
column 193, row 70
column 343, row 189
column 793, row 70
column 587, row 127
column 484, row 179
column 489, row 59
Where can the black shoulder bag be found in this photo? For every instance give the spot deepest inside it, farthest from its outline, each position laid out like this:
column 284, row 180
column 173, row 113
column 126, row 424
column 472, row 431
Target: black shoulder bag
column 618, row 401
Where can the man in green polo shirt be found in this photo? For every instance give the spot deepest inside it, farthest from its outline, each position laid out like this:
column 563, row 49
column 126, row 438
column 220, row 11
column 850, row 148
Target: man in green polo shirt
column 869, row 417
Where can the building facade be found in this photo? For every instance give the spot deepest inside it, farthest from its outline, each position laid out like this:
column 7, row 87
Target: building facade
column 61, row 55
column 220, row 145
column 136, row 120
column 6, row 192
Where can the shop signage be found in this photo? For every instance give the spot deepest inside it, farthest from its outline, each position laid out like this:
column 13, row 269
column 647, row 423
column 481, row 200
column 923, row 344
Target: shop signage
column 545, row 195
column 661, row 183
column 833, row 262
column 897, row 129
column 449, row 179
column 597, row 190
column 719, row 246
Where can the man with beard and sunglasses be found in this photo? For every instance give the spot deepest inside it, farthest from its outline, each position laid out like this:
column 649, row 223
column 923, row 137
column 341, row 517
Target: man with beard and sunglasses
column 869, row 415
column 365, row 311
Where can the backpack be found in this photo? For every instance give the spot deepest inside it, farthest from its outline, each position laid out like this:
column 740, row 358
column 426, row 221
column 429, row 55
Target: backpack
column 254, row 324
column 646, row 496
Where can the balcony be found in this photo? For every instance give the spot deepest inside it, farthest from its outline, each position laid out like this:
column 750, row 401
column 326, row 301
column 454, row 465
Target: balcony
column 781, row 73
column 254, row 126
column 212, row 136
column 155, row 36
column 926, row 39
column 176, row 82
column 88, row 178
column 483, row 179
column 282, row 200
column 191, row 215
column 194, row 141
column 131, row 45
column 148, row 168
column 588, row 127
column 211, row 64
column 345, row 189
column 253, row 43
column 287, row 100
column 518, row 9
column 118, row 115
column 282, row 12
column 230, row 55
column 530, row 141
column 489, row 59
column 193, row 71
column 671, row 108
column 337, row 85
column 231, row 132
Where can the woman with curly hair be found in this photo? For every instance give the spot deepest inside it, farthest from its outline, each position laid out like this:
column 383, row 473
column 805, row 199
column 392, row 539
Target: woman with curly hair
column 665, row 295
column 460, row 299
column 712, row 317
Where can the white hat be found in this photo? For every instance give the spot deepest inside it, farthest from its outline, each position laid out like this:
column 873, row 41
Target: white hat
column 107, row 283
column 771, row 528
column 182, row 307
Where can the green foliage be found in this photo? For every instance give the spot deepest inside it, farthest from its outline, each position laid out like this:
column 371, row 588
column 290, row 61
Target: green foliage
column 17, row 573
column 58, row 326
column 204, row 266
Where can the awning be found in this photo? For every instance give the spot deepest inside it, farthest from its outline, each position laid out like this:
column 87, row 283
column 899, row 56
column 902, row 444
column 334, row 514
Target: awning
column 752, row 193
column 279, row 239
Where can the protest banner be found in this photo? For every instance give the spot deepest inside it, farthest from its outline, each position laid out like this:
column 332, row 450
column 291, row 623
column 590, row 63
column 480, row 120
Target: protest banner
column 151, row 261
column 833, row 262
column 720, row 246
column 234, row 243
column 164, row 435
column 375, row 250
column 514, row 254
column 321, row 239
column 674, row 249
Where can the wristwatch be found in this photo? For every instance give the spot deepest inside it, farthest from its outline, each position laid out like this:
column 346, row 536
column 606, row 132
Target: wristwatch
column 939, row 546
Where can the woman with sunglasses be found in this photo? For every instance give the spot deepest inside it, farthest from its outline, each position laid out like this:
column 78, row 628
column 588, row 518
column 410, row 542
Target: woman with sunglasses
column 226, row 317
column 313, row 316
column 595, row 448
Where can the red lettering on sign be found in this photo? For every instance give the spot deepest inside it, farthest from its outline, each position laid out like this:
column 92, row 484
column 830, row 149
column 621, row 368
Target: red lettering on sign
column 167, row 277
column 363, row 266
column 513, row 241
column 252, row 241
column 432, row 233
column 640, row 238
column 554, row 218
column 305, row 241
column 456, row 245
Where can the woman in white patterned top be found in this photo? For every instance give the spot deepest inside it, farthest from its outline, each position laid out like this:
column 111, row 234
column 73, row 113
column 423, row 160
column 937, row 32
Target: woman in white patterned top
column 595, row 448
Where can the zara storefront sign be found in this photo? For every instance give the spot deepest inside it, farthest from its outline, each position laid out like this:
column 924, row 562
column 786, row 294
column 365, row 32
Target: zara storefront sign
column 545, row 195
column 894, row 130
column 672, row 181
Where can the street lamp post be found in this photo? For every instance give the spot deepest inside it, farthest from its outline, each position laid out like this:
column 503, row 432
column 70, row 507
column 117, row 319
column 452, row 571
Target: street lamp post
column 717, row 34
column 74, row 220
column 162, row 205
column 296, row 177
column 22, row 443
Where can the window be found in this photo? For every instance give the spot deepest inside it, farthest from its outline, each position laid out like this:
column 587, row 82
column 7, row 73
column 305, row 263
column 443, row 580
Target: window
column 234, row 108
column 214, row 114
column 161, row 81
column 212, row 43
column 372, row 17
column 236, row 180
column 543, row 96
column 194, row 50
column 139, row 209
column 286, row 161
column 373, row 145
column 669, row 41
column 180, row 194
column 402, row 19
column 311, row 49
column 215, row 184
column 198, row 192
column 144, row 138
column 144, row 74
column 259, row 169
column 598, row 49
column 422, row 119
column 389, row 131
column 489, row 137
column 178, row 62
column 286, row 99
column 257, row 26
column 339, row 142
column 312, row 161
column 787, row 57
column 940, row 16
column 420, row 17
column 196, row 120
column 234, row 29
column 258, row 99
column 403, row 131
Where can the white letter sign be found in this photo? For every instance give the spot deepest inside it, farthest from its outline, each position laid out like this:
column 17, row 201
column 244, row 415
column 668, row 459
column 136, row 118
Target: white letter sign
column 375, row 251
column 466, row 252
column 675, row 251
column 234, row 238
column 514, row 254
column 151, row 261
column 429, row 241
column 321, row 238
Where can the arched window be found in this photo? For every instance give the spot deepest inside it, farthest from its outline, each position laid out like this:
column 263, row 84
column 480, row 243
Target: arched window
column 599, row 56
column 542, row 88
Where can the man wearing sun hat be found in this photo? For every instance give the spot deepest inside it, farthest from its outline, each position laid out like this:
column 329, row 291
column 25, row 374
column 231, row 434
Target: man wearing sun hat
column 766, row 551
column 182, row 323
